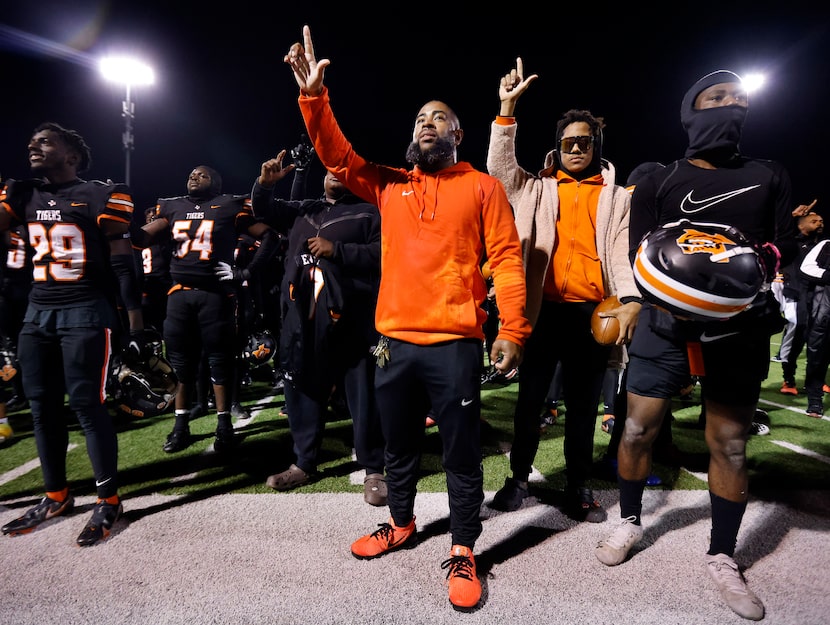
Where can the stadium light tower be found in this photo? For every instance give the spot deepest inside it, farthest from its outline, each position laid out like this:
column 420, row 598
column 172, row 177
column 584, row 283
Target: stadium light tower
column 128, row 72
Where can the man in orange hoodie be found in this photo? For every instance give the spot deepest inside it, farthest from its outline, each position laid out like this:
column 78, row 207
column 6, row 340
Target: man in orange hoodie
column 438, row 221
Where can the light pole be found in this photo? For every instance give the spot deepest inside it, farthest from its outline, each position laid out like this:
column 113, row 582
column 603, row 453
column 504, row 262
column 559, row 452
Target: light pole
column 128, row 72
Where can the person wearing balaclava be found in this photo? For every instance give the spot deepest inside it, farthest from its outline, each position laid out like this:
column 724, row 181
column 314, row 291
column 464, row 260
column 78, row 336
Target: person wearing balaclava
column 572, row 219
column 713, row 183
column 205, row 226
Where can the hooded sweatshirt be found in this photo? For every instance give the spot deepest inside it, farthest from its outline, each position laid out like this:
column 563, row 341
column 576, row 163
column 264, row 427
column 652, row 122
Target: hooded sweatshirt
column 435, row 229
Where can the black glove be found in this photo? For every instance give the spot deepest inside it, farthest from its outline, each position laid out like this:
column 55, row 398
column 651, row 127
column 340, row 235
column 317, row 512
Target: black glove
column 141, row 345
column 302, row 153
column 770, row 259
column 227, row 272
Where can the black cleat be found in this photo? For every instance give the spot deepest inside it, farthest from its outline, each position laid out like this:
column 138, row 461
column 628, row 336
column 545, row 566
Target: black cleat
column 238, row 411
column 581, row 506
column 225, row 440
column 45, row 510
column 177, row 440
column 198, row 410
column 510, row 496
column 104, row 515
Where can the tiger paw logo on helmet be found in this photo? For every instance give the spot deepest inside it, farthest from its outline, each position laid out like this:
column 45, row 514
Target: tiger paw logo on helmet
column 260, row 348
column 696, row 270
column 262, row 351
column 9, row 367
column 694, row 241
column 7, row 373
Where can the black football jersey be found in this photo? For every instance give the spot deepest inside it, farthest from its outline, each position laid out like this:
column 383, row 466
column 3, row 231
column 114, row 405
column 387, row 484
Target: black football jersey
column 205, row 232
column 70, row 253
column 155, row 262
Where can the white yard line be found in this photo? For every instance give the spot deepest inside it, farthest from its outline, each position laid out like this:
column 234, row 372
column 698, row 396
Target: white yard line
column 24, row 468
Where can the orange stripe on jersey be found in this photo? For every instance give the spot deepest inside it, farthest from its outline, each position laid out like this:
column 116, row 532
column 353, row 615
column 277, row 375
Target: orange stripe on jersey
column 121, row 202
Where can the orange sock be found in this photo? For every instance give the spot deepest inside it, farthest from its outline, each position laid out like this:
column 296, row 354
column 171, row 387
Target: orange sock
column 113, row 501
column 58, row 495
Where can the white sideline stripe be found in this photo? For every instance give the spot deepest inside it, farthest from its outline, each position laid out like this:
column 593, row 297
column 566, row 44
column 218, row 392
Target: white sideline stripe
column 703, row 477
column 253, row 409
column 803, row 452
column 800, row 411
column 239, row 423
column 356, row 477
column 24, row 468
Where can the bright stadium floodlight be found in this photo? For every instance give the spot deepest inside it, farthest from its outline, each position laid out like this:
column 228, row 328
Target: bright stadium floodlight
column 129, row 72
column 753, row 82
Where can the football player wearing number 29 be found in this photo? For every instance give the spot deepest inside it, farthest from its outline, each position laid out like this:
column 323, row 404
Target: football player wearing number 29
column 714, row 183
column 78, row 233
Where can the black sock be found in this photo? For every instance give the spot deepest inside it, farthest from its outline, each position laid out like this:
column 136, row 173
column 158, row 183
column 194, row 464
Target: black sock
column 224, row 421
column 182, row 420
column 726, row 521
column 631, row 498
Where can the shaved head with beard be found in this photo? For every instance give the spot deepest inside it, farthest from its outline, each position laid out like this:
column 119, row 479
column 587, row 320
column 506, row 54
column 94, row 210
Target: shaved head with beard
column 431, row 160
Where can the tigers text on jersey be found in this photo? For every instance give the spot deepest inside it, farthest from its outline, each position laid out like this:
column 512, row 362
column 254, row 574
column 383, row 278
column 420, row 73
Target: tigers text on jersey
column 64, row 222
column 205, row 231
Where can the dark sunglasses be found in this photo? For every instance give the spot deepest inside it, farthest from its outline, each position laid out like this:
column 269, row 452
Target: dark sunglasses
column 567, row 143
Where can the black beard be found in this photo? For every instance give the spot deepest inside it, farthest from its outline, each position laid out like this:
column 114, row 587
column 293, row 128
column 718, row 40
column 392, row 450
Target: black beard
column 431, row 159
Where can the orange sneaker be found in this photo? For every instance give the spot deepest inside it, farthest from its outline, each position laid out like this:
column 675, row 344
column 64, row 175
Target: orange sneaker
column 825, row 388
column 789, row 389
column 464, row 586
column 386, row 538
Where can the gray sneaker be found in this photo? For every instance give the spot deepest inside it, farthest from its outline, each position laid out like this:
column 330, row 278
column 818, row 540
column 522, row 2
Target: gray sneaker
column 614, row 549
column 732, row 586
column 758, row 429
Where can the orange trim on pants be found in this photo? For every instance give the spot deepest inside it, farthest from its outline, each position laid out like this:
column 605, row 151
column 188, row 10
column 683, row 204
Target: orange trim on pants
column 695, row 354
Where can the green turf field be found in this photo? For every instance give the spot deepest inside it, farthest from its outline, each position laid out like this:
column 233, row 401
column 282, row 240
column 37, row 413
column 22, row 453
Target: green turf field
column 795, row 455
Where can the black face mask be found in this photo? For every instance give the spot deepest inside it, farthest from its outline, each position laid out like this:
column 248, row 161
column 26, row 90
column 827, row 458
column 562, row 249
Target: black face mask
column 715, row 133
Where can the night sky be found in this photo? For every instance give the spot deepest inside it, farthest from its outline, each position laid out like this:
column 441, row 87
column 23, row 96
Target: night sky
column 223, row 96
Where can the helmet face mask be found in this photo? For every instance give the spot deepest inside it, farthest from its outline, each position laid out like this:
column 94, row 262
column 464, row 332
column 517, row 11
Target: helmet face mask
column 700, row 271
column 260, row 348
column 143, row 389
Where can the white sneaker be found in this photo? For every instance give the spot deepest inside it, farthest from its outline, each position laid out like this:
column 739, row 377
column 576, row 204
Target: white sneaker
column 614, row 549
column 758, row 429
column 733, row 589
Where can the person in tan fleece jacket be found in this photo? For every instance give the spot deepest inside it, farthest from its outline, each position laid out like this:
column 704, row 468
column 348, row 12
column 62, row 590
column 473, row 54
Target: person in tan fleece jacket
column 572, row 220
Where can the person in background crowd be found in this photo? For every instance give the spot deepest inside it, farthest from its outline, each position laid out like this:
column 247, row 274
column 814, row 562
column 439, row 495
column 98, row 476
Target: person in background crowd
column 156, row 280
column 793, row 293
column 333, row 244
column 439, row 220
column 813, row 271
column 15, row 285
column 201, row 306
